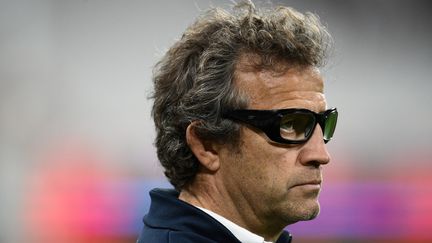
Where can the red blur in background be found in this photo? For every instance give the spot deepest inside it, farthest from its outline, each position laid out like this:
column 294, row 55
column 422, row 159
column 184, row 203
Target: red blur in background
column 75, row 198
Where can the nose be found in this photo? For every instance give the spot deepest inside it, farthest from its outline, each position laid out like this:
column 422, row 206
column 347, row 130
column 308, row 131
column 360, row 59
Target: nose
column 314, row 151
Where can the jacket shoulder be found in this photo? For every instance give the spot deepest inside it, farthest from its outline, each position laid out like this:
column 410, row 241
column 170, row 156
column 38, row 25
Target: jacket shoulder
column 153, row 235
column 170, row 236
column 187, row 237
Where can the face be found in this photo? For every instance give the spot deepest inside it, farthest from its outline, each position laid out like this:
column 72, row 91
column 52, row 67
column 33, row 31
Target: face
column 278, row 183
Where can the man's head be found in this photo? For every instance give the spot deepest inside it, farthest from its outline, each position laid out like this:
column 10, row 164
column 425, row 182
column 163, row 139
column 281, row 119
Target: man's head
column 247, row 59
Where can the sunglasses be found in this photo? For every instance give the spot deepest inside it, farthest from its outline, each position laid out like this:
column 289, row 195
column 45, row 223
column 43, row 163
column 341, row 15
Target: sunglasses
column 288, row 126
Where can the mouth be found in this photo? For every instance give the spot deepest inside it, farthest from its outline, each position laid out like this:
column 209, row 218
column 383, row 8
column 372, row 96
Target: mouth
column 314, row 184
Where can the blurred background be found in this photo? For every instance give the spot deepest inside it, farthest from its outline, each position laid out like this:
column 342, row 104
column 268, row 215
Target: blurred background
column 76, row 153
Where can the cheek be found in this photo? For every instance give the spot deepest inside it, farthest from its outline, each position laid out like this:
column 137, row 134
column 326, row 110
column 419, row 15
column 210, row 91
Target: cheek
column 271, row 165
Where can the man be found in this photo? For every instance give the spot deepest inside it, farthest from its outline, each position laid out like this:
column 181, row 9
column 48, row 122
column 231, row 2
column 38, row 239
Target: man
column 241, row 123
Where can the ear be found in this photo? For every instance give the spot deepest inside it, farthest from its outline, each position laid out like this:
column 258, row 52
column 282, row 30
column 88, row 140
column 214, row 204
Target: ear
column 203, row 150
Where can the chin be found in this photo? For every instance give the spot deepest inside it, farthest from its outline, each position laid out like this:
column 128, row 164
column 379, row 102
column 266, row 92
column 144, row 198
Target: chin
column 312, row 214
column 304, row 212
column 311, row 211
column 297, row 208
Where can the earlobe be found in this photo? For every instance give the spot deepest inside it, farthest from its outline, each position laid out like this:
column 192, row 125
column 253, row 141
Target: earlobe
column 203, row 150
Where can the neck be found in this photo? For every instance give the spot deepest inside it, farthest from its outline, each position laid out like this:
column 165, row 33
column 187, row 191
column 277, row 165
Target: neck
column 206, row 193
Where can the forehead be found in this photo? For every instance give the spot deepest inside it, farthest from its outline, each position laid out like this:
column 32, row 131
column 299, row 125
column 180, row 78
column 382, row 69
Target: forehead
column 287, row 86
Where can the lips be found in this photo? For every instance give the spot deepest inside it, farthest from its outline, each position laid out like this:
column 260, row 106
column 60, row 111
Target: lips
column 311, row 183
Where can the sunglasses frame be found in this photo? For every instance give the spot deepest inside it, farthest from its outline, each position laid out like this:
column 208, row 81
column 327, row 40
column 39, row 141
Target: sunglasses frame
column 269, row 121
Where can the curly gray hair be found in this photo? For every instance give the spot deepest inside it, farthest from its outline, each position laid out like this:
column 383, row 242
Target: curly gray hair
column 194, row 81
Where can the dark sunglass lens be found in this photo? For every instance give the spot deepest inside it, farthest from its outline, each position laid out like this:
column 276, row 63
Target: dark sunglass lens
column 297, row 126
column 330, row 125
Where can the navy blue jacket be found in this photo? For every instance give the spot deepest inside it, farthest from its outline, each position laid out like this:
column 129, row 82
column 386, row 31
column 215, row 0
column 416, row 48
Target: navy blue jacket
column 172, row 220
